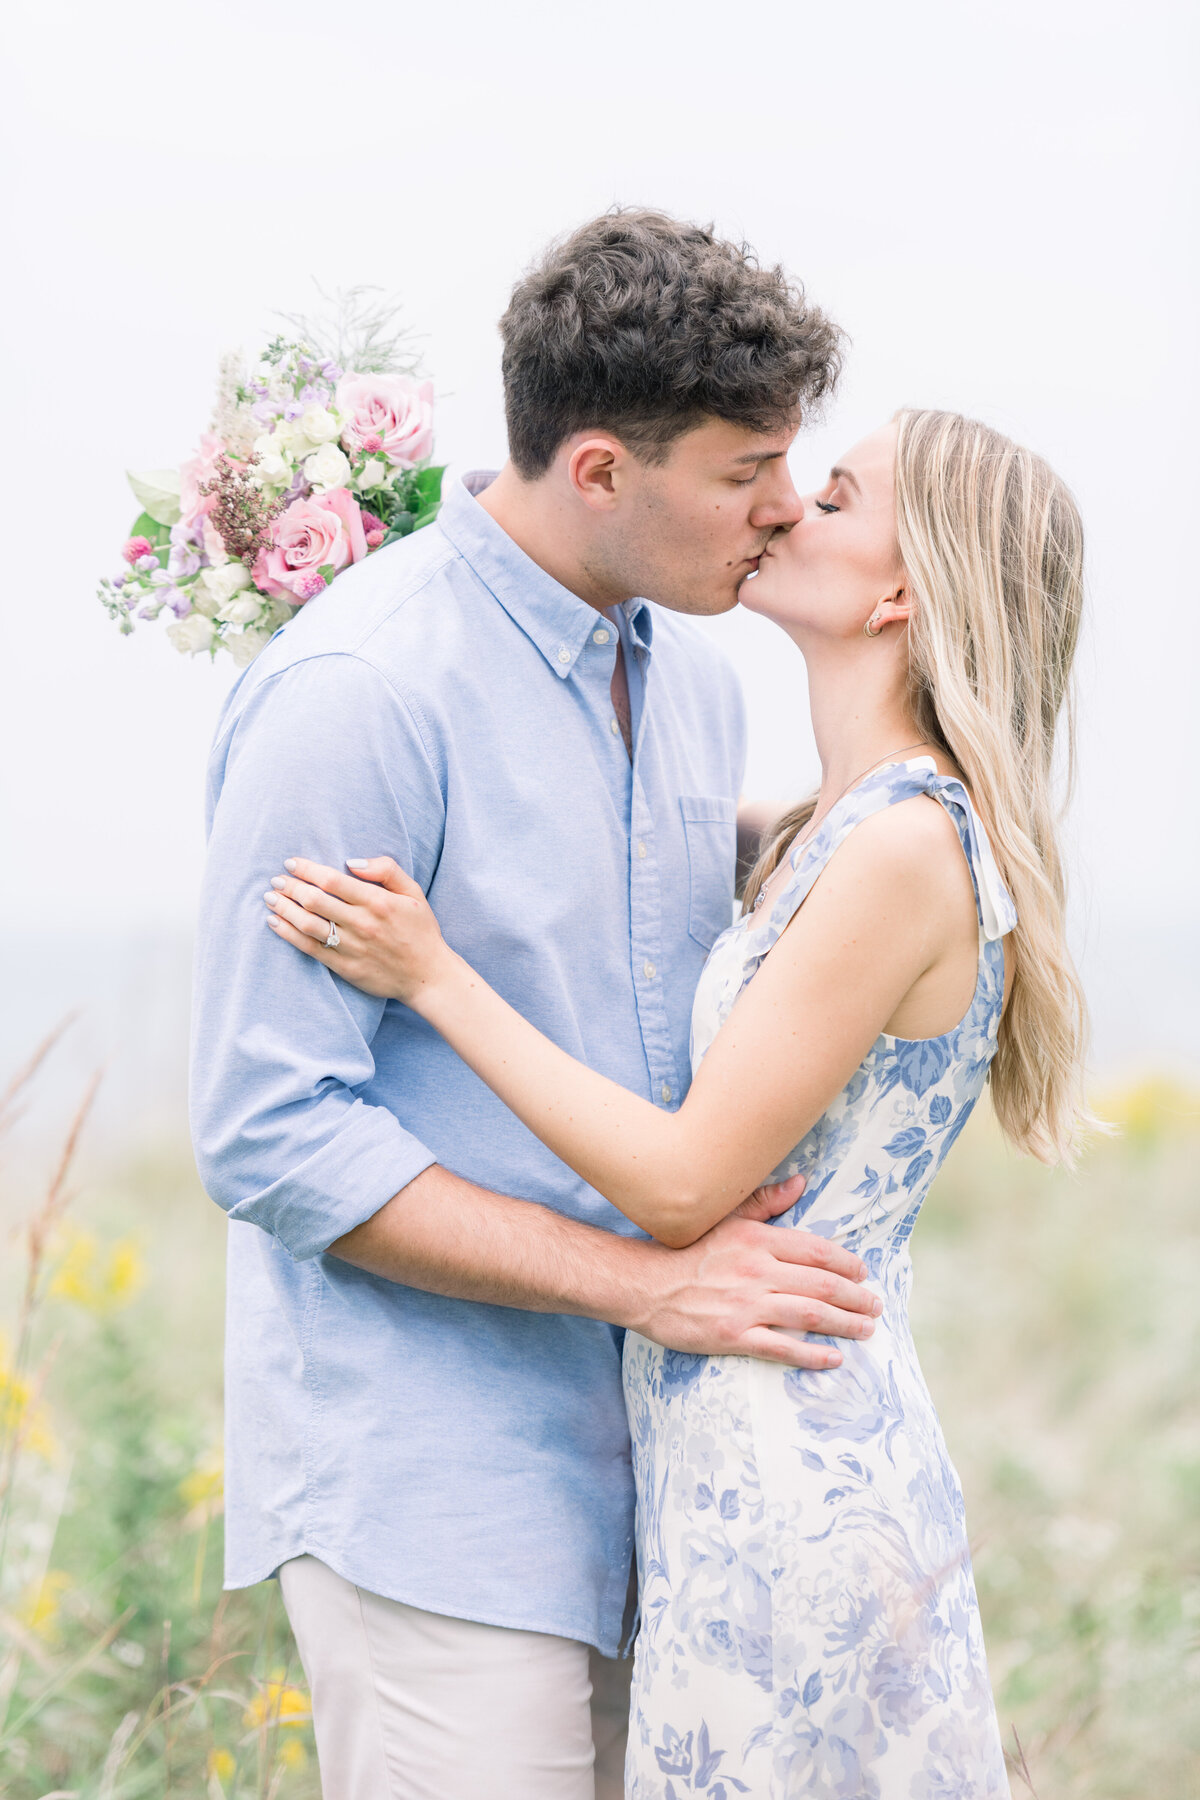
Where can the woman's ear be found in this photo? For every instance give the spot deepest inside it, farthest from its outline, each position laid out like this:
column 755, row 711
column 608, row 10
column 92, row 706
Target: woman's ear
column 894, row 609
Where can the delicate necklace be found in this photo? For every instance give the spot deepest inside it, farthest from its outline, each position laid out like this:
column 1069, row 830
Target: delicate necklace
column 819, row 818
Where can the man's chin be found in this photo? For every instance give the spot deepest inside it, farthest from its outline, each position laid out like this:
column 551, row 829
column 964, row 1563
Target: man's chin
column 699, row 606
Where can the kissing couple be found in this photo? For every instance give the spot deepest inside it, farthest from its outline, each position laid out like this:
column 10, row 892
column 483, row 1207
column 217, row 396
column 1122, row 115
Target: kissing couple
column 568, row 1257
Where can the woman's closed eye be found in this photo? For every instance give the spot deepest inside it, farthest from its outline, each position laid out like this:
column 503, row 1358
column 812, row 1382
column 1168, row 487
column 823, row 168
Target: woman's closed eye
column 827, row 506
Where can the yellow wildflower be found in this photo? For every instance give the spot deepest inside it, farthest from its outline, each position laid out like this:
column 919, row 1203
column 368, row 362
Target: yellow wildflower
column 19, row 1417
column 1149, row 1109
column 39, row 1610
column 277, row 1704
column 221, row 1764
column 99, row 1281
column 292, row 1754
column 205, row 1485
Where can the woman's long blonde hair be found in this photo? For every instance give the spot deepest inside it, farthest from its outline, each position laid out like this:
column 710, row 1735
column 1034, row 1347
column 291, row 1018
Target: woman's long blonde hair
column 991, row 544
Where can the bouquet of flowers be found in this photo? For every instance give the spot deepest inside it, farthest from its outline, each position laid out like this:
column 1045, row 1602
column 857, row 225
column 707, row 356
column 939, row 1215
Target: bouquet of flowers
column 312, row 462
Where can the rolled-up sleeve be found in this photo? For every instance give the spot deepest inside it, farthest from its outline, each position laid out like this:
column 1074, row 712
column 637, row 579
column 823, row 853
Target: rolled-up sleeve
column 324, row 760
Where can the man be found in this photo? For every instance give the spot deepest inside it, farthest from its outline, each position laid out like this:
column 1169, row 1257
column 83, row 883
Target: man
column 425, row 1422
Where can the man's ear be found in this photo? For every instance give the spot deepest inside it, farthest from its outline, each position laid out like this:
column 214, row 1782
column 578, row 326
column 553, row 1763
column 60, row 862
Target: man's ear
column 596, row 466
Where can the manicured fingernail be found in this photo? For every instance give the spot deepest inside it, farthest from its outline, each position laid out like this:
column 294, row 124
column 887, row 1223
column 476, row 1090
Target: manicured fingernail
column 270, row 898
column 868, row 1326
column 289, row 862
column 877, row 1306
column 356, row 862
column 277, row 881
column 832, row 1360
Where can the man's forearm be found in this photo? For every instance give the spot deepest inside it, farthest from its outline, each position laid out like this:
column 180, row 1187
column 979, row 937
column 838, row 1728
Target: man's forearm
column 742, row 1289
column 446, row 1236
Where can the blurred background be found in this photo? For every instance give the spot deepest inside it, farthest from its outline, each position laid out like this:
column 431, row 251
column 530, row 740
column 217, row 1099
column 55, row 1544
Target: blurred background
column 998, row 203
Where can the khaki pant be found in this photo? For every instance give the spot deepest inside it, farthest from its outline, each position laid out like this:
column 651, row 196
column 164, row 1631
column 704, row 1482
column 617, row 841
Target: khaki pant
column 409, row 1705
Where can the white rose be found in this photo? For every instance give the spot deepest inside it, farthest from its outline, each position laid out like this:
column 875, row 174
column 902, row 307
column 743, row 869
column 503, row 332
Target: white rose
column 278, row 613
column 289, row 438
column 244, row 646
column 215, row 588
column 372, row 475
column 273, row 471
column 240, row 610
column 319, row 425
column 274, row 468
column 328, row 467
column 191, row 635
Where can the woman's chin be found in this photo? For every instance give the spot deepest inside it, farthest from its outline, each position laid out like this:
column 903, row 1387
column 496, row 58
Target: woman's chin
column 756, row 596
column 750, row 593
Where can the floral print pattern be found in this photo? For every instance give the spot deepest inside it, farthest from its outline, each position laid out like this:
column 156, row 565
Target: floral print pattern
column 809, row 1622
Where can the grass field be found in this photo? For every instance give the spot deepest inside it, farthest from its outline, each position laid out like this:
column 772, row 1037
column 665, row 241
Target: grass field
column 1058, row 1323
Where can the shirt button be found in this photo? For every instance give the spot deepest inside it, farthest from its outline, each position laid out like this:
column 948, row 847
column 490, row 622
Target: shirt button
column 642, row 850
column 666, row 1094
column 564, row 655
column 649, row 971
column 600, row 637
column 614, row 727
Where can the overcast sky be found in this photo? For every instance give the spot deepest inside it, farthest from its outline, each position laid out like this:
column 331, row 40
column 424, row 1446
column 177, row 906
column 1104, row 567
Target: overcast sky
column 998, row 202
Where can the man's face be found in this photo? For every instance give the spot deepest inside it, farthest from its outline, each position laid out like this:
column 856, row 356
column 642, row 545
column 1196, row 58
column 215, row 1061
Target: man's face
column 689, row 531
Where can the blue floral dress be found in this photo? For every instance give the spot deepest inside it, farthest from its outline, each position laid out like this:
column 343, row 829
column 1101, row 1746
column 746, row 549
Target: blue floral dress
column 809, row 1620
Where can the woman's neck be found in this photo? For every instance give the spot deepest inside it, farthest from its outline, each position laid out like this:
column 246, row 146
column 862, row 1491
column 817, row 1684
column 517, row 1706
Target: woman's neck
column 861, row 716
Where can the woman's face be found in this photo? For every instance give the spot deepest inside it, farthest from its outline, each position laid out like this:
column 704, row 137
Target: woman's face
column 825, row 575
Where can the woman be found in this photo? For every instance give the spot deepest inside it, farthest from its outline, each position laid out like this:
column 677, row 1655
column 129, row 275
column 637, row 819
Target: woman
column 809, row 1621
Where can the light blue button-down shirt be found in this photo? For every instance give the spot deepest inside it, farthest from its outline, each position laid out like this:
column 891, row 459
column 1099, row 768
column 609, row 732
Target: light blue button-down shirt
column 447, row 704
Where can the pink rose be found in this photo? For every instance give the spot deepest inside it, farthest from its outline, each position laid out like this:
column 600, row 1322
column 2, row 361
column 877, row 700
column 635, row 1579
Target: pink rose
column 389, row 410
column 194, row 474
column 324, row 532
column 137, row 546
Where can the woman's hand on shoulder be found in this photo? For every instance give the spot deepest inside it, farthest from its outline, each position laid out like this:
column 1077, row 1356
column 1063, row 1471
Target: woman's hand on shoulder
column 386, row 939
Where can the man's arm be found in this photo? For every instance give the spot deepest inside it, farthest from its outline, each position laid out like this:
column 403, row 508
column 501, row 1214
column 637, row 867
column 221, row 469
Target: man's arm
column 324, row 751
column 737, row 1291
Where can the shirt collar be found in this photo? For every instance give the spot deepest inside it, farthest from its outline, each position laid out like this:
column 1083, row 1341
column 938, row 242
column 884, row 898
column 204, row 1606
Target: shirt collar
column 553, row 618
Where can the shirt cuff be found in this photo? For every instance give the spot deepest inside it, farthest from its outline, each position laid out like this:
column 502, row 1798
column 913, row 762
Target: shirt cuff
column 340, row 1185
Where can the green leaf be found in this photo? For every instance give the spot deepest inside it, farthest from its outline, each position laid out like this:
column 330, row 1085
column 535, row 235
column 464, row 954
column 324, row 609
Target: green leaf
column 157, row 490
column 428, row 484
column 147, row 527
column 326, row 572
column 427, row 517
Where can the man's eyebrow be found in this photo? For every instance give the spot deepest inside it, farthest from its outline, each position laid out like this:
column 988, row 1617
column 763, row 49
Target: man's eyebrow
column 837, row 473
column 757, row 456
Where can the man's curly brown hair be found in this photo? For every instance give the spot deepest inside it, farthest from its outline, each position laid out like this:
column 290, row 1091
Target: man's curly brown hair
column 644, row 326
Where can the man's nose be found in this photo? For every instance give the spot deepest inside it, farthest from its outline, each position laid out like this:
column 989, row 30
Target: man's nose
column 780, row 509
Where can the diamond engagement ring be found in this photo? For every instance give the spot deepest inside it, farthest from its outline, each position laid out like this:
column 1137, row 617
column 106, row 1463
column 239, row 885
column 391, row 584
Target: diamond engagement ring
column 333, row 940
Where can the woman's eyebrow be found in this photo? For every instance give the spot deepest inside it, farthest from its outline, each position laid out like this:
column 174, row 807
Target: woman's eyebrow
column 837, row 473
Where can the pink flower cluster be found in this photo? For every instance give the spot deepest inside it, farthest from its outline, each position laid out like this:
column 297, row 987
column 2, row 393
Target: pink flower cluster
column 387, row 413
column 323, row 532
column 273, row 504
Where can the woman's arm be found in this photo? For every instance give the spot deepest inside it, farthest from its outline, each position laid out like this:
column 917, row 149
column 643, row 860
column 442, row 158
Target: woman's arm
column 875, row 921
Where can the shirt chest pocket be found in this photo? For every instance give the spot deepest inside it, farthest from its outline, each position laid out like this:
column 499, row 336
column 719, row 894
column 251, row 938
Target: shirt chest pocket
column 710, row 829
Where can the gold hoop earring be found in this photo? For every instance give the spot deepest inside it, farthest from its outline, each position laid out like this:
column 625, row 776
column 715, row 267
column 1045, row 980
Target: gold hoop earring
column 873, row 620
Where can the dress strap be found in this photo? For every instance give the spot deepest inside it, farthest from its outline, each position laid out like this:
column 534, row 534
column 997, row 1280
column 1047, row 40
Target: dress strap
column 887, row 787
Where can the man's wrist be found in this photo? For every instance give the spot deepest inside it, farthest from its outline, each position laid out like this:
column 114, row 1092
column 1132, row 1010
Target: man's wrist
column 631, row 1283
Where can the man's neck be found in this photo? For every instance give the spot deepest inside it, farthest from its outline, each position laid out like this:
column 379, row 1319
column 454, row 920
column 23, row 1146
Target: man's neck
column 541, row 523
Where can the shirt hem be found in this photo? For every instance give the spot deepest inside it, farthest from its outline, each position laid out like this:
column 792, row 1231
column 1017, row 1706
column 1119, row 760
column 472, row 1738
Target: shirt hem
column 607, row 1643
